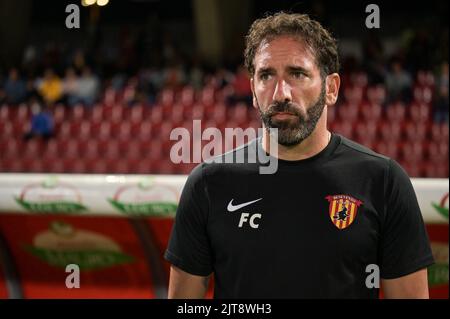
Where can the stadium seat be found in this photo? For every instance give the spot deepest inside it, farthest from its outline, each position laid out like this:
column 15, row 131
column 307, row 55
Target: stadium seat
column 416, row 131
column 438, row 152
column 376, row 94
column 388, row 148
column 425, row 79
column 414, row 169
column 419, row 112
column 422, row 94
column 390, row 131
column 343, row 128
column 371, row 112
column 186, row 97
column 366, row 131
column 436, row 170
column 353, row 95
column 439, row 132
column 395, row 112
column 412, row 152
column 348, row 112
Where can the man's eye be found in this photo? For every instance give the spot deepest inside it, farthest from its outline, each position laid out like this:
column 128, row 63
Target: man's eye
column 264, row 76
column 298, row 75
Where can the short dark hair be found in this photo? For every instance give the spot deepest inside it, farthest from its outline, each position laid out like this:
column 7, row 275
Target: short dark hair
column 320, row 41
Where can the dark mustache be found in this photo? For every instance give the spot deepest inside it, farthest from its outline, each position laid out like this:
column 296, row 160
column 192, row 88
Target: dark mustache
column 279, row 107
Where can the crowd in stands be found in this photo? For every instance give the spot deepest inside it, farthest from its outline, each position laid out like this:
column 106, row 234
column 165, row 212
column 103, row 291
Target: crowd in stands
column 48, row 82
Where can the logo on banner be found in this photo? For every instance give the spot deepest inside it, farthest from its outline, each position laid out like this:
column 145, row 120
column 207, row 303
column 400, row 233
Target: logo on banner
column 51, row 196
column 442, row 207
column 146, row 198
column 342, row 210
column 62, row 244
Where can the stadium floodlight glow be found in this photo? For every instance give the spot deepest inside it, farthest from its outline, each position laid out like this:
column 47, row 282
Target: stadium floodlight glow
column 86, row 3
column 102, row 3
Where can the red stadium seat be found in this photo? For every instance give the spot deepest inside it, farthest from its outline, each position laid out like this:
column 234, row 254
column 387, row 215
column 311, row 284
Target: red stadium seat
column 371, row 112
column 412, row 152
column 366, row 131
column 111, row 151
column 438, row 152
column 5, row 113
column 166, row 97
column 144, row 167
column 64, row 130
column 6, row 129
column 156, row 114
column 207, row 96
column 343, row 128
column 414, row 169
column 239, row 113
column 439, row 132
column 119, row 166
column 354, row 94
column 416, row 131
column 186, row 97
column 348, row 112
column 425, row 79
column 10, row 165
column 137, row 114
column 436, row 170
column 359, row 79
column 422, row 94
column 75, row 165
column 390, row 131
column 13, row 149
column 376, row 94
column 97, row 166
column 33, row 148
column 395, row 112
column 219, row 113
column 77, row 113
column 177, row 117
column 59, row 114
column 22, row 113
column 419, row 112
column 388, row 148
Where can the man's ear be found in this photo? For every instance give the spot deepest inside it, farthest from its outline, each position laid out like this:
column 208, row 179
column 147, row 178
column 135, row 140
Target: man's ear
column 255, row 101
column 332, row 83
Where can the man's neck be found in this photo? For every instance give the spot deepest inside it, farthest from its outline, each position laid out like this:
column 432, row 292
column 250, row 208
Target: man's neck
column 309, row 147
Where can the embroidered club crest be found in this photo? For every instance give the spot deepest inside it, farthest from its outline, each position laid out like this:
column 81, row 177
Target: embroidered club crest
column 342, row 210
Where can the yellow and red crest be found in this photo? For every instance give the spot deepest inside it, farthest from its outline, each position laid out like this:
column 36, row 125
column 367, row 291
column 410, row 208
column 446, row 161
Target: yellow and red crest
column 343, row 209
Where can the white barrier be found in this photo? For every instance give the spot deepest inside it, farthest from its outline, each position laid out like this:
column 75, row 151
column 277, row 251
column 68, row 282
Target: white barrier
column 143, row 195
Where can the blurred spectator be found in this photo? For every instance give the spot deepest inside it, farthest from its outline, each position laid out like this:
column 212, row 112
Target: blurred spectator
column 196, row 74
column 223, row 77
column 150, row 82
column 441, row 103
column 70, row 86
column 50, row 87
column 174, row 76
column 41, row 122
column 398, row 83
column 15, row 88
column 87, row 88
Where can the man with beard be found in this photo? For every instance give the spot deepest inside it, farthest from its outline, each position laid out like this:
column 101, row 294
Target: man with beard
column 331, row 211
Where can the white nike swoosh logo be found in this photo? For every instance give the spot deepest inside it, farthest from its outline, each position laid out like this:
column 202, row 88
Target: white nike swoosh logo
column 232, row 208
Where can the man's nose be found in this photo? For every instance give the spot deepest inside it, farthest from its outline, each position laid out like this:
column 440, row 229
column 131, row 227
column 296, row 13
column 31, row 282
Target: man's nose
column 282, row 91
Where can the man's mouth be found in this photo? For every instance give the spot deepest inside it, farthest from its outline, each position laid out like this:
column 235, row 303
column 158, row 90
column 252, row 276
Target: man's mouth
column 283, row 115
